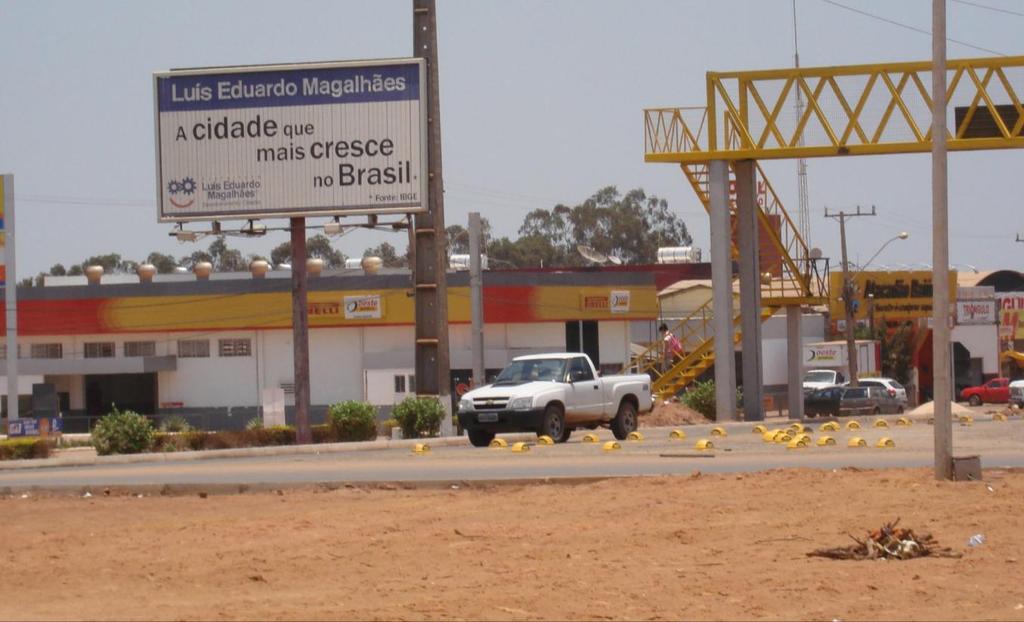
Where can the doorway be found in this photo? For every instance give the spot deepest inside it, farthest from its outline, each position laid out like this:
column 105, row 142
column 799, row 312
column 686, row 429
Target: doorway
column 137, row 392
column 581, row 336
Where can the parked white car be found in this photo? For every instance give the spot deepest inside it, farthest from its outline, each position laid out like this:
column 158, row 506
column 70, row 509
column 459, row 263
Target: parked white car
column 1017, row 393
column 815, row 379
column 896, row 390
column 553, row 394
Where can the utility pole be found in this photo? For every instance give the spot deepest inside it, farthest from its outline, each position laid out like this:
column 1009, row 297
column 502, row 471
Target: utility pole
column 941, row 360
column 476, row 297
column 803, row 207
column 10, row 293
column 433, row 375
column 848, row 289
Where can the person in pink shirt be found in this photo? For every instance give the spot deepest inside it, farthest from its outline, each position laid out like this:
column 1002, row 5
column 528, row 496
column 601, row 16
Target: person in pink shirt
column 673, row 348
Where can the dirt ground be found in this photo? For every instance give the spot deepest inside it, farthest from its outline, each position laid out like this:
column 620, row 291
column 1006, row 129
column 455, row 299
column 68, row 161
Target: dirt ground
column 697, row 547
column 671, row 413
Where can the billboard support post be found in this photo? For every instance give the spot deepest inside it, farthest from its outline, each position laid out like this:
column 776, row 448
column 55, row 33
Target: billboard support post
column 10, row 293
column 300, row 331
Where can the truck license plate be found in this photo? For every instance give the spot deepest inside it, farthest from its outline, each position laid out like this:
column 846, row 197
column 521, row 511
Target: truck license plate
column 487, row 417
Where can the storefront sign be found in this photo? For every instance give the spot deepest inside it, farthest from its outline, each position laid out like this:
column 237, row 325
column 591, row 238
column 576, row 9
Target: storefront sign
column 886, row 295
column 976, row 312
column 364, row 307
column 620, row 302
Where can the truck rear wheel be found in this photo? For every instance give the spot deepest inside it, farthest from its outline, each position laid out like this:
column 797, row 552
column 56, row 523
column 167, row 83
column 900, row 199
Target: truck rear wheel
column 480, row 438
column 553, row 424
column 624, row 421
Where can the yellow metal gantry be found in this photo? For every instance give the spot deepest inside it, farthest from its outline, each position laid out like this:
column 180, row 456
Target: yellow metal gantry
column 850, row 110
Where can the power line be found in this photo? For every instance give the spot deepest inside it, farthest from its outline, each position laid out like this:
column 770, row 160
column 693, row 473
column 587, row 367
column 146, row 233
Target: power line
column 909, row 27
column 989, row 8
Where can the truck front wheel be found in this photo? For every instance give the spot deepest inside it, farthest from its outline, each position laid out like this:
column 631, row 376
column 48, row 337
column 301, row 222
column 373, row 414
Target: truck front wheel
column 553, row 424
column 624, row 421
column 480, row 438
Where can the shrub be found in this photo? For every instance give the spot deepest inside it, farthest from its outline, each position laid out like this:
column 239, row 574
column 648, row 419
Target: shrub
column 353, row 421
column 254, row 424
column 701, row 397
column 384, row 427
column 24, row 449
column 419, row 416
column 263, row 437
column 175, row 423
column 122, row 433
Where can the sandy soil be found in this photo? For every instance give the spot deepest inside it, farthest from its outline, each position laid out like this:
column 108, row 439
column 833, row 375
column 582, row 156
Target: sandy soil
column 703, row 547
column 671, row 413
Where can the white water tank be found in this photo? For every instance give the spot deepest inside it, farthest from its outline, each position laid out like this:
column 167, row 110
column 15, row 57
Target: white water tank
column 461, row 262
column 678, row 254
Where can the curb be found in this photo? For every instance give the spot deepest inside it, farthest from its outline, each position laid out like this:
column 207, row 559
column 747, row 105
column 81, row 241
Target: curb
column 243, row 452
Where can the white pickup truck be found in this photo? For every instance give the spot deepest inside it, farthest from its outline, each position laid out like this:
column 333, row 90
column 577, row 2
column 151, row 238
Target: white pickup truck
column 553, row 394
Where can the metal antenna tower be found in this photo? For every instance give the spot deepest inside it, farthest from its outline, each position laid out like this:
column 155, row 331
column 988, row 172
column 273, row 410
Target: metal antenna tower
column 803, row 209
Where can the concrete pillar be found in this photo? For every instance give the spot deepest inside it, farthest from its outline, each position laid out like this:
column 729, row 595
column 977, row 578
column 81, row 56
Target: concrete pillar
column 721, row 290
column 794, row 362
column 750, row 290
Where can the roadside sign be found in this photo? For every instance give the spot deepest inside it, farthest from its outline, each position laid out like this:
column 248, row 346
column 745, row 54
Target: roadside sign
column 320, row 139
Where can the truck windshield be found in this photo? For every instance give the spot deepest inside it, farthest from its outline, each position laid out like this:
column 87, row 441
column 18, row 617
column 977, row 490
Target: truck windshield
column 518, row 372
column 820, row 376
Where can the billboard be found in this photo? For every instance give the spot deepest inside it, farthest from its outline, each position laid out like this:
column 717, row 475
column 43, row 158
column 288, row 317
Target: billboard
column 319, row 139
column 889, row 295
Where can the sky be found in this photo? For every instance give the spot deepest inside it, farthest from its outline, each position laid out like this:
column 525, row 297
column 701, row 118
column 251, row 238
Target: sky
column 541, row 103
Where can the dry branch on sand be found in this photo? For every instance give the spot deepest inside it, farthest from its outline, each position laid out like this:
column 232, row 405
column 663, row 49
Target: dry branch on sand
column 889, row 542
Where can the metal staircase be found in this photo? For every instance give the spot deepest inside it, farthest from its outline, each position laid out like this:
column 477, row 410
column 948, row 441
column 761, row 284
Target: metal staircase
column 790, row 275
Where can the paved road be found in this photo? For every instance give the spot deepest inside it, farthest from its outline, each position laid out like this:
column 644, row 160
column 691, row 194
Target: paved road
column 1000, row 444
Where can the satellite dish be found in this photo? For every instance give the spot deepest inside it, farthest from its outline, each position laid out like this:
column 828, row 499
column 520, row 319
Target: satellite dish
column 615, row 260
column 591, row 255
column 815, row 253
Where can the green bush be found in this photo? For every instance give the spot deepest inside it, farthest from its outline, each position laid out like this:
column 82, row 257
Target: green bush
column 122, row 433
column 174, row 423
column 24, row 449
column 384, row 427
column 353, row 421
column 419, row 416
column 701, row 398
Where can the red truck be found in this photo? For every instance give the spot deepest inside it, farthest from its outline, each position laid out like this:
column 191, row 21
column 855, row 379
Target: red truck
column 995, row 391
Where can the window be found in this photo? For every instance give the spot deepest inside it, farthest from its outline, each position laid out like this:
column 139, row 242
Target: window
column 3, row 351
column 139, row 348
column 46, row 351
column 194, row 348
column 99, row 350
column 235, row 347
column 579, row 370
column 400, row 383
column 412, row 383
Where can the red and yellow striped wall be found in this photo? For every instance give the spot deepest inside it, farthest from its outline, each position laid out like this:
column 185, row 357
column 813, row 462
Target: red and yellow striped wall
column 272, row 310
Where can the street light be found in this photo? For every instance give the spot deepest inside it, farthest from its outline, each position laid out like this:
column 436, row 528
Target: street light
column 851, row 345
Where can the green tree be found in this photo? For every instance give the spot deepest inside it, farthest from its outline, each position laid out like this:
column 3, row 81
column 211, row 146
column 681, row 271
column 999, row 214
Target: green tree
column 57, row 269
column 631, row 227
column 388, row 255
column 318, row 246
column 164, row 264
column 112, row 263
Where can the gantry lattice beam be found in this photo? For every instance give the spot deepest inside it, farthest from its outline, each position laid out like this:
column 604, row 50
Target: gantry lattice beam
column 849, row 110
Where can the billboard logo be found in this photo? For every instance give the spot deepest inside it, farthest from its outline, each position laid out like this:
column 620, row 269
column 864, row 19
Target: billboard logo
column 186, row 187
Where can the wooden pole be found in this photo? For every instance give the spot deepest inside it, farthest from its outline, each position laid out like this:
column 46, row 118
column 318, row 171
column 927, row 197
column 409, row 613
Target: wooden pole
column 300, row 332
